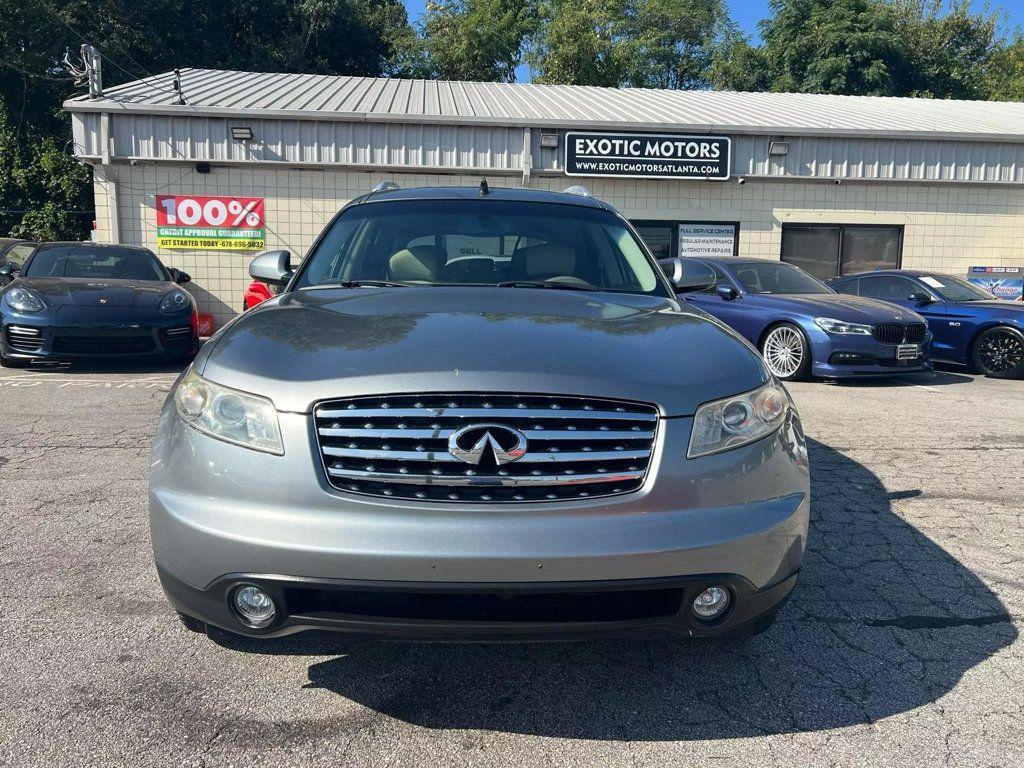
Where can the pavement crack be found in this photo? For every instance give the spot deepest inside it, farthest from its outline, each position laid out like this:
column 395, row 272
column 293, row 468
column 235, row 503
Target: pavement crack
column 940, row 622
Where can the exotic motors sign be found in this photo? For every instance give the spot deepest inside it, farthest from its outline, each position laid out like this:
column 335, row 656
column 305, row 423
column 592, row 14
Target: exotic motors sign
column 647, row 156
column 210, row 223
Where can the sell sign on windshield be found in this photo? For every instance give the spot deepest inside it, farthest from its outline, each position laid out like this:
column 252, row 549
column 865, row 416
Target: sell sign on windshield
column 647, row 156
column 210, row 223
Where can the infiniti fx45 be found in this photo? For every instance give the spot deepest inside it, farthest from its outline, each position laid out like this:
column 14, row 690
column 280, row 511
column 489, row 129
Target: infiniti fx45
column 478, row 414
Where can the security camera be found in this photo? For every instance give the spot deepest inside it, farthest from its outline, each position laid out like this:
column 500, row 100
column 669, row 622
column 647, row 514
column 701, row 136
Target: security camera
column 741, row 180
column 837, row 182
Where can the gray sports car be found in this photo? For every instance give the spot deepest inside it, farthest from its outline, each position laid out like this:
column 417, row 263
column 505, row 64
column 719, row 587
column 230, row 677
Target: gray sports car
column 478, row 414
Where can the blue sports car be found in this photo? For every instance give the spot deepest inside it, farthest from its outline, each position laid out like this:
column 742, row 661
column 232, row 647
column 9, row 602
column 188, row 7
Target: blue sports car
column 802, row 326
column 970, row 325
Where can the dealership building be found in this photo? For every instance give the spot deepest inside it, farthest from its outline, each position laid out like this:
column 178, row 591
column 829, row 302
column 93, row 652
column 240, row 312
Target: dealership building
column 227, row 163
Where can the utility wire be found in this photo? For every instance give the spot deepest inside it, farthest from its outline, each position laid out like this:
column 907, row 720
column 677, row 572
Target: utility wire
column 27, row 73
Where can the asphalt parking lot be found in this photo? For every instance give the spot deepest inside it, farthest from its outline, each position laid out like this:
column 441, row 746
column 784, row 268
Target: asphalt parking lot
column 900, row 647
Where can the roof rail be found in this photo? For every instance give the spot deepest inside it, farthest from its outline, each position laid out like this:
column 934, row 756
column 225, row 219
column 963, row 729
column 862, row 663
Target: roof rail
column 385, row 186
column 578, row 189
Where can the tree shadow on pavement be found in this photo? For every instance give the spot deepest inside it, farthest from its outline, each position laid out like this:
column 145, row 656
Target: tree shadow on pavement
column 882, row 621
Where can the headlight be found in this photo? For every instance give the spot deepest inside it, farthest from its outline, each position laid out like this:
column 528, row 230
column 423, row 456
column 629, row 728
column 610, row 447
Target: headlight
column 24, row 300
column 227, row 414
column 829, row 325
column 175, row 301
column 735, row 421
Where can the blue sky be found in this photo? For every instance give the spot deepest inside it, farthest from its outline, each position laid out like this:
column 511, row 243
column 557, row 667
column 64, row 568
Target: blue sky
column 748, row 12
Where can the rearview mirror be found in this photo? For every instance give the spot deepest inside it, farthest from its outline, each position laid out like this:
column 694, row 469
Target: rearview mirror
column 920, row 297
column 272, row 267
column 687, row 276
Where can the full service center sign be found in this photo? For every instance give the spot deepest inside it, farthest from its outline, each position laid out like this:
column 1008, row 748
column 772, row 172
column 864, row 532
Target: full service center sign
column 647, row 156
column 219, row 223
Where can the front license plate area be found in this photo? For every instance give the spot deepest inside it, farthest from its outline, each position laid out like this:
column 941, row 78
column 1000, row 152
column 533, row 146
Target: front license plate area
column 908, row 351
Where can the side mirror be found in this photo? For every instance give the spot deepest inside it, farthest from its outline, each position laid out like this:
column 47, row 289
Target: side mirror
column 920, row 297
column 180, row 277
column 272, row 267
column 6, row 271
column 727, row 292
column 688, row 276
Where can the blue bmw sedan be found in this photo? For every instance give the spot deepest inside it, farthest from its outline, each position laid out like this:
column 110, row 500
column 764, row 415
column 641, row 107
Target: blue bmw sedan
column 804, row 328
column 971, row 326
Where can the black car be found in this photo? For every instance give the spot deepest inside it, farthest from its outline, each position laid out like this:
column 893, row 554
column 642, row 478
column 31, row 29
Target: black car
column 84, row 300
column 13, row 253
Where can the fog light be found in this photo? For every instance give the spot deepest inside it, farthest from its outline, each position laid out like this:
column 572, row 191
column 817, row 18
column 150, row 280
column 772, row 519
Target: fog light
column 254, row 606
column 711, row 603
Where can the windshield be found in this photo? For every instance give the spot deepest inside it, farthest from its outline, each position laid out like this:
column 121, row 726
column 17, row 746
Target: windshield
column 482, row 242
column 100, row 263
column 956, row 288
column 766, row 277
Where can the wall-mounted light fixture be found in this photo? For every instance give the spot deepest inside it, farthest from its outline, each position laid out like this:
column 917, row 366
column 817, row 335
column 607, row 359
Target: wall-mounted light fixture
column 242, row 133
column 778, row 148
column 549, row 140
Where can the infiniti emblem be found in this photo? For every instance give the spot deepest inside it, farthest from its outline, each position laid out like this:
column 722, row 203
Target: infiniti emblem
column 470, row 444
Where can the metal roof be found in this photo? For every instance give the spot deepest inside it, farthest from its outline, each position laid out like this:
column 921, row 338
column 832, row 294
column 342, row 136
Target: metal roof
column 341, row 98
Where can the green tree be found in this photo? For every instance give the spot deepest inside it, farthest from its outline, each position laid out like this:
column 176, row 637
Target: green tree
column 832, row 46
column 637, row 43
column 927, row 48
column 136, row 40
column 469, row 40
column 1006, row 71
column 947, row 51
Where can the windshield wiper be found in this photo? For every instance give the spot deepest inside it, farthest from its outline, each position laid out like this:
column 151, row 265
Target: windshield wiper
column 567, row 286
column 362, row 284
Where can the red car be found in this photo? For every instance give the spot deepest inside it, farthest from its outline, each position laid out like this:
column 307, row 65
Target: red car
column 256, row 293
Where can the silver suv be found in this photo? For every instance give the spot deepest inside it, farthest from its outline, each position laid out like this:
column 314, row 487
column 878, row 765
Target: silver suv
column 478, row 414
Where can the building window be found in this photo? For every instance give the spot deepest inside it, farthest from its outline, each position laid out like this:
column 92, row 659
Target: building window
column 667, row 239
column 827, row 251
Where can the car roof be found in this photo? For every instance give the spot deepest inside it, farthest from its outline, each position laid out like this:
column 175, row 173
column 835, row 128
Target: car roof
column 735, row 261
column 891, row 273
column 99, row 246
column 473, row 193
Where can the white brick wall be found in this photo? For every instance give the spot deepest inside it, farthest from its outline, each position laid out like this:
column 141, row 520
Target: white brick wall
column 947, row 227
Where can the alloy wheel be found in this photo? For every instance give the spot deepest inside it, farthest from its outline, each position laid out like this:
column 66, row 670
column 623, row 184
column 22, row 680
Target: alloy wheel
column 1000, row 351
column 784, row 351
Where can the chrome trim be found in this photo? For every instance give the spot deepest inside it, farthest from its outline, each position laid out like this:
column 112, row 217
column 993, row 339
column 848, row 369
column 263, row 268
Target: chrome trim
column 406, row 446
column 484, row 413
column 529, row 458
column 531, row 434
column 475, row 453
column 518, row 481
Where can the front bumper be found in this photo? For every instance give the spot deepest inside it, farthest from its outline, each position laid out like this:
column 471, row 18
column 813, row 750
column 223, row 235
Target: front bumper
column 839, row 356
column 220, row 513
column 46, row 338
column 426, row 611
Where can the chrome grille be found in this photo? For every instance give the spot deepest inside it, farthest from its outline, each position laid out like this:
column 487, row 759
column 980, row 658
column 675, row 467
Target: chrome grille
column 398, row 446
column 24, row 338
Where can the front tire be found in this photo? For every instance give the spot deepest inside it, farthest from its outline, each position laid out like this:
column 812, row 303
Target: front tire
column 786, row 352
column 999, row 353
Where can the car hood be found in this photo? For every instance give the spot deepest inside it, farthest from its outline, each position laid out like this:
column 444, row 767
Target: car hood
column 87, row 292
column 995, row 305
column 840, row 306
column 308, row 346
